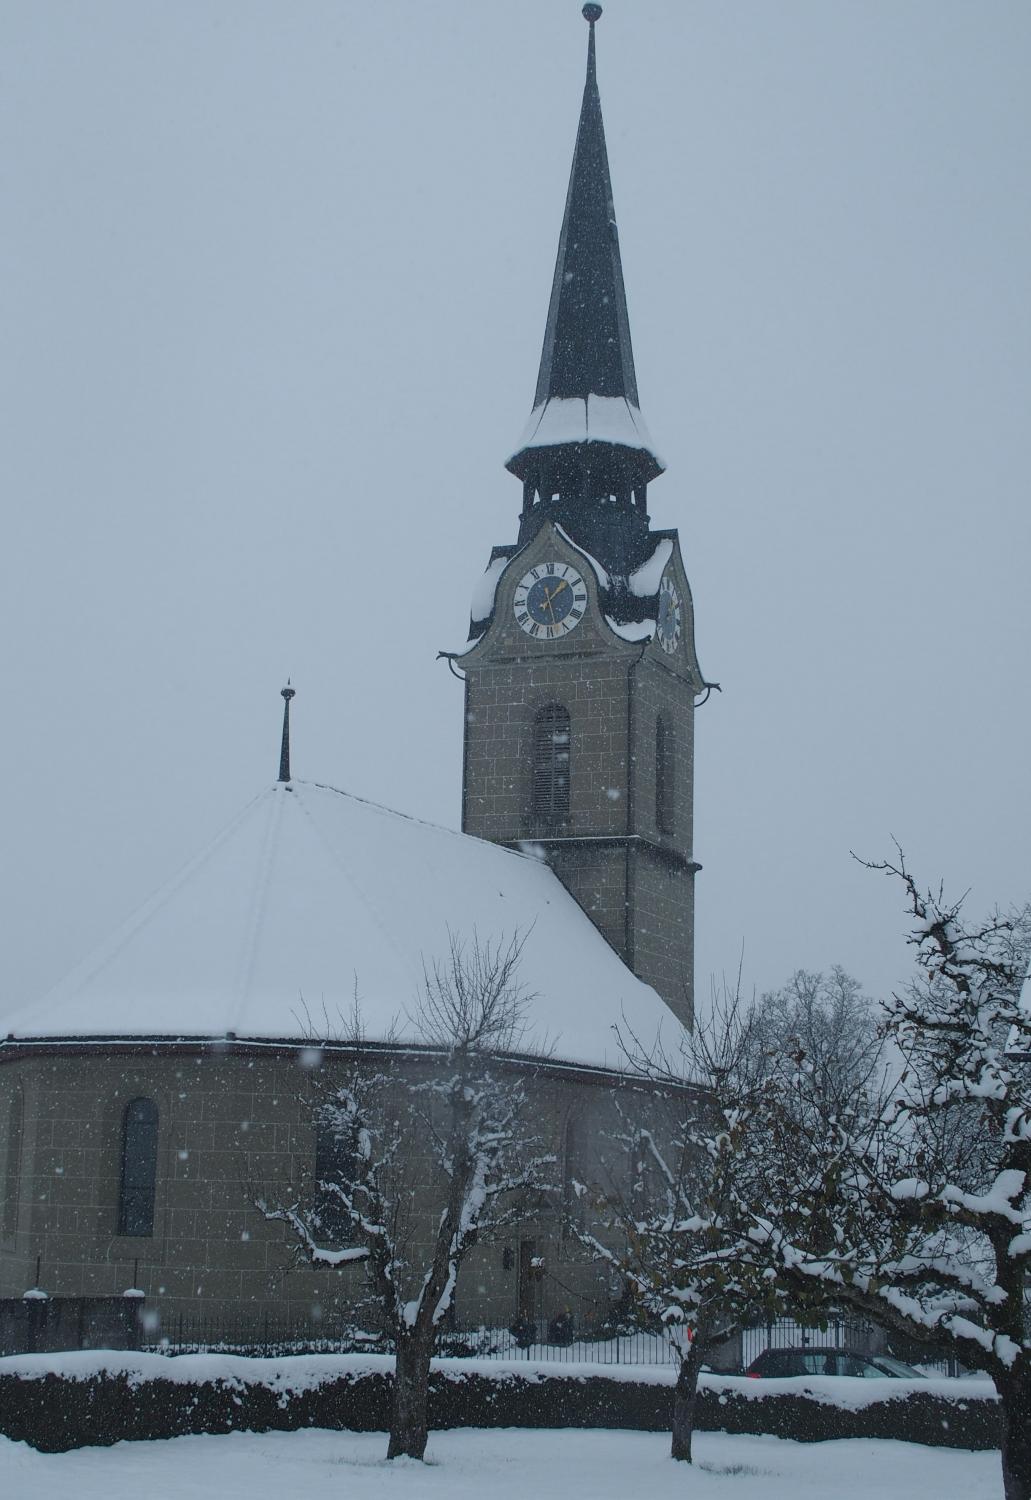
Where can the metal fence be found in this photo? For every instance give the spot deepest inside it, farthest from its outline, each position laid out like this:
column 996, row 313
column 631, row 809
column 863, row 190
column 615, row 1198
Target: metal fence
column 270, row 1336
column 575, row 1346
column 785, row 1333
column 563, row 1341
column 841, row 1333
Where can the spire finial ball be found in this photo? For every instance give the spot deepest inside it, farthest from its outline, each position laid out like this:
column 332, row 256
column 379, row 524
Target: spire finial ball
column 592, row 13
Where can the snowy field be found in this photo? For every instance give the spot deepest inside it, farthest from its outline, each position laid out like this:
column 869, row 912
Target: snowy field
column 507, row 1465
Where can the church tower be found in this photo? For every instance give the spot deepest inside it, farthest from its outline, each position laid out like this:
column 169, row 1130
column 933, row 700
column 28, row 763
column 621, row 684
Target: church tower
column 581, row 674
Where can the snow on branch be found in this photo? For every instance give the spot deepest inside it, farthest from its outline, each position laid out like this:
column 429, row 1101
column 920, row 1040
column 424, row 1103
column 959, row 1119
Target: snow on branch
column 420, row 1154
column 910, row 1202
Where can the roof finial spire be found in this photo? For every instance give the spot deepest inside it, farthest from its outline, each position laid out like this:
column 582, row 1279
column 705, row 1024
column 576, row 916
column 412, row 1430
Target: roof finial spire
column 284, row 754
column 591, row 14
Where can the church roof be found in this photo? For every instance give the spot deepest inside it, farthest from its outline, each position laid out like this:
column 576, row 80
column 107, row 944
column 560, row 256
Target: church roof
column 311, row 897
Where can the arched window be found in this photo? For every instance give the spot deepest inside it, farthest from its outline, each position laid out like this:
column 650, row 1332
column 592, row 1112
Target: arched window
column 139, row 1168
column 12, row 1164
column 665, row 775
column 549, row 797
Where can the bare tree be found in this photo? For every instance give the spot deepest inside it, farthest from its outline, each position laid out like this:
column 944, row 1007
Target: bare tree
column 432, row 1154
column 912, row 1204
column 826, row 1019
column 701, row 1178
column 679, row 1233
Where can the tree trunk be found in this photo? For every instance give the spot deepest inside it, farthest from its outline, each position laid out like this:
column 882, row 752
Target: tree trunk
column 1015, row 1397
column 408, row 1422
column 684, row 1401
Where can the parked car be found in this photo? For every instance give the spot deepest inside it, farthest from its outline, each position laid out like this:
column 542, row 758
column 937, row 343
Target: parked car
column 780, row 1363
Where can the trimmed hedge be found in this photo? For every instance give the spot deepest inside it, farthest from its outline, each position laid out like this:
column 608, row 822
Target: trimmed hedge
column 936, row 1418
column 60, row 1410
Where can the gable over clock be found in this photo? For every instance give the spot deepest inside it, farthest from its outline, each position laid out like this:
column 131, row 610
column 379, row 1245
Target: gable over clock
column 581, row 672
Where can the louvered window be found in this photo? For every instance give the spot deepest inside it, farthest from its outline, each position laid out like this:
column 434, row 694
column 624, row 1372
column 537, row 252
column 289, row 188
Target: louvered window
column 665, row 775
column 550, row 789
column 139, row 1168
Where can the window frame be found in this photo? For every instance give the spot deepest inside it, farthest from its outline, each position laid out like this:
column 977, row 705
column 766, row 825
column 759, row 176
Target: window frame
column 333, row 1149
column 665, row 775
column 574, row 1170
column 138, row 1163
column 551, row 769
column 13, row 1151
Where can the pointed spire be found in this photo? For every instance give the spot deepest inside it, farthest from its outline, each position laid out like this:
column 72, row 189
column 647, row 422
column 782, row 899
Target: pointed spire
column 586, row 444
column 587, row 349
column 284, row 752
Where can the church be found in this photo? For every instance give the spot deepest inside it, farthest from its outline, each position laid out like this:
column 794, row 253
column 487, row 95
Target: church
column 141, row 1097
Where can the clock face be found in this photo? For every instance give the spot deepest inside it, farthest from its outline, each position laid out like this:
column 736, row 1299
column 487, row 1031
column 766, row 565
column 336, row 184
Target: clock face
column 667, row 627
column 550, row 601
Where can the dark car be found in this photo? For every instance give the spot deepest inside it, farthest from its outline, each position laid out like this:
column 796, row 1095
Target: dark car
column 776, row 1364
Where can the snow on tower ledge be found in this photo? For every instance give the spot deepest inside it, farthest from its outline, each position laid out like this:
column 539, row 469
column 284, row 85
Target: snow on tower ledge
column 590, row 419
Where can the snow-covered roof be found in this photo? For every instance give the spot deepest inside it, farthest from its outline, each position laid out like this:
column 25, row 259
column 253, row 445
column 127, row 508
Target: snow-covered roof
column 311, row 896
column 590, row 419
column 633, row 631
column 644, row 581
column 486, row 588
column 600, row 571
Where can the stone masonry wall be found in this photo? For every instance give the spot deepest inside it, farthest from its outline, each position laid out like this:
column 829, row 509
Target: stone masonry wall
column 595, row 875
column 614, row 692
column 659, row 691
column 662, row 901
column 611, row 706
column 233, row 1126
column 661, row 892
column 502, row 700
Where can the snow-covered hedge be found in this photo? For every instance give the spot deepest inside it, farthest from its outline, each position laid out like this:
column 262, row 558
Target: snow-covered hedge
column 60, row 1401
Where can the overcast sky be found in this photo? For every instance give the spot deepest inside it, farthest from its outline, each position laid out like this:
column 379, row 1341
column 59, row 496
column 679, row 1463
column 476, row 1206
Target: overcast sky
column 273, row 280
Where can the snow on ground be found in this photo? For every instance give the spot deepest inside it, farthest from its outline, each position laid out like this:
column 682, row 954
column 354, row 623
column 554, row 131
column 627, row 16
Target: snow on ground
column 511, row 1465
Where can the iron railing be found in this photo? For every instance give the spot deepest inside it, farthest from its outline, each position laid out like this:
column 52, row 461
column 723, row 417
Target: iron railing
column 269, row 1336
column 563, row 1341
column 785, row 1333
